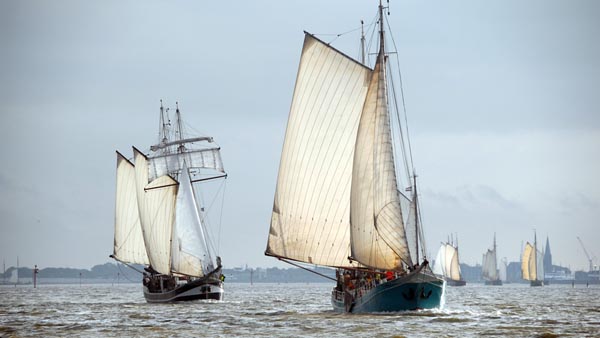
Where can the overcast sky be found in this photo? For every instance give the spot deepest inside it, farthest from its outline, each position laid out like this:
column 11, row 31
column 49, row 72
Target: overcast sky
column 503, row 99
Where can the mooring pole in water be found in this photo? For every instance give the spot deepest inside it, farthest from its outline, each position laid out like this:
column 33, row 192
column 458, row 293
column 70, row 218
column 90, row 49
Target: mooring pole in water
column 80, row 279
column 35, row 272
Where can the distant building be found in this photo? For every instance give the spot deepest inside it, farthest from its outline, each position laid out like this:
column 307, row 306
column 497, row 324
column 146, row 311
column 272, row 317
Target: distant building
column 471, row 274
column 513, row 272
column 548, row 267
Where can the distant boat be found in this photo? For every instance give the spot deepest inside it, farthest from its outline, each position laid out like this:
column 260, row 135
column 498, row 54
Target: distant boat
column 489, row 267
column 158, row 220
column 532, row 267
column 447, row 265
column 14, row 276
column 337, row 201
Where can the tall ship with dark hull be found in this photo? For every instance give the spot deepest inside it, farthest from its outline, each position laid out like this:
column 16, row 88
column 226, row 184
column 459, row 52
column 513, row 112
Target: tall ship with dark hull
column 339, row 201
column 159, row 220
column 489, row 266
column 447, row 264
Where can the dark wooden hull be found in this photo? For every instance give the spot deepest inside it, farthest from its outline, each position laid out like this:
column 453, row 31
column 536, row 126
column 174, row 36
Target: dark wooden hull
column 536, row 283
column 453, row 282
column 201, row 288
column 496, row 282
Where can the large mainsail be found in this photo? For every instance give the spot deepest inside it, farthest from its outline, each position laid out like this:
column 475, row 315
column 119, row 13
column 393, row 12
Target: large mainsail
column 378, row 238
column 190, row 254
column 489, row 268
column 129, row 243
column 156, row 203
column 454, row 266
column 528, row 266
column 310, row 221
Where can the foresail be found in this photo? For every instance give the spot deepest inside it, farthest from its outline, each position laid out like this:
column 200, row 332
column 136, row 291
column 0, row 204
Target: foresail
column 439, row 267
column 190, row 254
column 209, row 158
column 378, row 237
column 540, row 265
column 409, row 215
column 129, row 243
column 310, row 218
column 156, row 202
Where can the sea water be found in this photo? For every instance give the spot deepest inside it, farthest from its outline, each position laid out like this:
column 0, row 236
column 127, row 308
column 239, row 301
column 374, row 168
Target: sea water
column 295, row 310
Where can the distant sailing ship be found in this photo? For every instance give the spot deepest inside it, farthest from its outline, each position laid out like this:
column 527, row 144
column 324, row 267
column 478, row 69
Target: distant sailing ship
column 489, row 267
column 337, row 201
column 158, row 220
column 532, row 266
column 447, row 264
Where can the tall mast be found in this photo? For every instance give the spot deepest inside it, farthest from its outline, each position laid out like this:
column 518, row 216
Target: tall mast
column 381, row 36
column 163, row 137
column 535, row 253
column 181, row 148
column 416, row 215
column 362, row 42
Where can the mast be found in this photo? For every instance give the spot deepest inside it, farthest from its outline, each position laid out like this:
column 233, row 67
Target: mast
column 535, row 253
column 416, row 216
column 162, row 137
column 381, row 36
column 362, row 42
column 495, row 258
column 181, row 147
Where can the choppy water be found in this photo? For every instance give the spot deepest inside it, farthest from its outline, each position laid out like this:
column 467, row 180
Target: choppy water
column 291, row 310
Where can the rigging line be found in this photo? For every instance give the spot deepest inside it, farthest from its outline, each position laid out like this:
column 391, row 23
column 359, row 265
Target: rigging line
column 402, row 93
column 221, row 218
column 207, row 222
column 307, row 269
column 402, row 138
column 125, row 275
column 336, row 36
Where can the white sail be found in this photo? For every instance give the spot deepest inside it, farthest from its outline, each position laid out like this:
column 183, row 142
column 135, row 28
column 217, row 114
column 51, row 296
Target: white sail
column 489, row 267
column 14, row 276
column 190, row 254
column 540, row 265
column 446, row 262
column 453, row 266
column 310, row 219
column 502, row 273
column 409, row 215
column 156, row 203
column 439, row 264
column 377, row 229
column 528, row 266
column 209, row 158
column 128, row 243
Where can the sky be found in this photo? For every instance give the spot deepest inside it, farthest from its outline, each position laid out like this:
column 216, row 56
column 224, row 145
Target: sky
column 502, row 98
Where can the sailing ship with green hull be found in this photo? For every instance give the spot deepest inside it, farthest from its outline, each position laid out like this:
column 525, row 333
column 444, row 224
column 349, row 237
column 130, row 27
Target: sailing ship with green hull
column 159, row 221
column 338, row 201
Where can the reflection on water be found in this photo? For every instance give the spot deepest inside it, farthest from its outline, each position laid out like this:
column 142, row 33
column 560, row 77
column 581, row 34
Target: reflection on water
column 284, row 310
